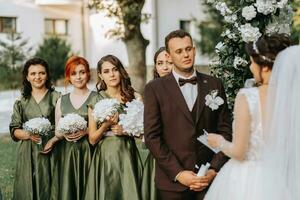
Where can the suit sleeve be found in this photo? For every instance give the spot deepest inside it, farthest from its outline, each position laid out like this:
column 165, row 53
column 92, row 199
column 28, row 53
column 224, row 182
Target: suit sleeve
column 224, row 128
column 153, row 129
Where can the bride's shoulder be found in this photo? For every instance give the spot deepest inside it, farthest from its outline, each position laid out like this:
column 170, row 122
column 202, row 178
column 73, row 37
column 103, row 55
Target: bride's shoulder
column 250, row 88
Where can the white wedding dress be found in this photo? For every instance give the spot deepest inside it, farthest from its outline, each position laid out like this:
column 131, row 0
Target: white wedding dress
column 237, row 180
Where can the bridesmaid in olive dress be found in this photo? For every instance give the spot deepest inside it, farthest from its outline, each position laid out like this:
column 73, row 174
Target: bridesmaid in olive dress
column 38, row 99
column 162, row 67
column 115, row 171
column 74, row 150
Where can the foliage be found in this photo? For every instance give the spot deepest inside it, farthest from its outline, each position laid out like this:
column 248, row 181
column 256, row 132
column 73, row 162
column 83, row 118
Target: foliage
column 13, row 53
column 295, row 33
column 127, row 15
column 14, row 50
column 210, row 30
column 56, row 52
column 10, row 77
column 245, row 21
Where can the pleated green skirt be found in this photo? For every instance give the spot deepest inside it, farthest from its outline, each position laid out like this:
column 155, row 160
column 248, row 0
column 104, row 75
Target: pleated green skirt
column 71, row 170
column 148, row 189
column 33, row 173
column 114, row 172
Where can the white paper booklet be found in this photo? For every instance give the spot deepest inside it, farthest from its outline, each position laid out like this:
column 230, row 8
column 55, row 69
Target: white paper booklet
column 203, row 169
column 203, row 140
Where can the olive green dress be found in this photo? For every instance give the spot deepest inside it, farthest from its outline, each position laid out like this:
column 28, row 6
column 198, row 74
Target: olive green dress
column 0, row 194
column 33, row 169
column 148, row 188
column 74, row 157
column 114, row 172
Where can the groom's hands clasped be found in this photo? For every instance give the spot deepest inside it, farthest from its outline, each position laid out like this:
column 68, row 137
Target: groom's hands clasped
column 204, row 181
column 194, row 182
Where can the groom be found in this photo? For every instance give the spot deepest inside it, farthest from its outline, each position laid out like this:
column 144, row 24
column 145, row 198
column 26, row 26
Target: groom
column 176, row 114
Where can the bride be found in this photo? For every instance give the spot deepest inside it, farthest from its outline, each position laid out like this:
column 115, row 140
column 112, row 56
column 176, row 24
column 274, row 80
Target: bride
column 280, row 157
column 238, row 178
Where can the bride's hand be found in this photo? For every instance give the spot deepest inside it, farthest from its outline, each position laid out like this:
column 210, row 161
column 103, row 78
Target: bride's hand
column 215, row 140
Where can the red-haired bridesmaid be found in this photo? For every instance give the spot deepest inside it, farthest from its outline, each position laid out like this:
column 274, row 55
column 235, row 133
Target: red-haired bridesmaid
column 74, row 150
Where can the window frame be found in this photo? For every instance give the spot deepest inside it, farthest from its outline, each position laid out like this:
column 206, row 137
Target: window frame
column 14, row 28
column 182, row 24
column 53, row 21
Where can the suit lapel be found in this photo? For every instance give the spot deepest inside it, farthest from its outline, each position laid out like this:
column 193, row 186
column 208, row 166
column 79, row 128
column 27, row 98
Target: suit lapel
column 174, row 91
column 202, row 92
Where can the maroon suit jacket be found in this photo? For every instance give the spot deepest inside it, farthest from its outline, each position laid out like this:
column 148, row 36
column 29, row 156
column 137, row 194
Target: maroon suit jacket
column 171, row 132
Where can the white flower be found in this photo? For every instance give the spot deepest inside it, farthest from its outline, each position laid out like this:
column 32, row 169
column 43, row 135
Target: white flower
column 230, row 18
column 133, row 121
column 219, row 47
column 229, row 34
column 272, row 28
column 105, row 108
column 249, row 12
column 222, row 7
column 215, row 62
column 281, row 4
column 71, row 123
column 238, row 61
column 265, row 6
column 284, row 28
column 38, row 126
column 249, row 33
column 213, row 101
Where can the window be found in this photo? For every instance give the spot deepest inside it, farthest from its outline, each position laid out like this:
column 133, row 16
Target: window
column 56, row 26
column 185, row 25
column 8, row 24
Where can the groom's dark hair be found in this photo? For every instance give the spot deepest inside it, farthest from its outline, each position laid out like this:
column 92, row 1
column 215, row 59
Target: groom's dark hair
column 176, row 34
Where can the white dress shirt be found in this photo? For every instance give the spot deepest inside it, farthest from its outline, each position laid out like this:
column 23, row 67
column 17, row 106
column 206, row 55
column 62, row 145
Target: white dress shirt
column 188, row 90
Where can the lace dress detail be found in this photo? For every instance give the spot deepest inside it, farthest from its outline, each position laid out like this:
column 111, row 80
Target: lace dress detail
column 238, row 180
column 256, row 136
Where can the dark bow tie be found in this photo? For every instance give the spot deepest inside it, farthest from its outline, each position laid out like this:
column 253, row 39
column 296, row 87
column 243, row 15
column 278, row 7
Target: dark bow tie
column 192, row 80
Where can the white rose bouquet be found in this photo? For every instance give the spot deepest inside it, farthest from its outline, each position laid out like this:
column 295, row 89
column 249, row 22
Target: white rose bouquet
column 105, row 108
column 38, row 126
column 71, row 123
column 132, row 121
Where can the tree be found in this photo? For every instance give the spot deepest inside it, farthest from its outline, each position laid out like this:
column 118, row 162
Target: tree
column 14, row 50
column 13, row 53
column 210, row 30
column 56, row 52
column 296, row 21
column 128, row 16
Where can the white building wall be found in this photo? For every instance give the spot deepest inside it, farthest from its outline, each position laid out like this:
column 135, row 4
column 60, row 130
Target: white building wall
column 30, row 20
column 165, row 16
column 169, row 15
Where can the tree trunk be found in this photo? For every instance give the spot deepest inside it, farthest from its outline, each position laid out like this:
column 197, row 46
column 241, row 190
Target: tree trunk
column 136, row 51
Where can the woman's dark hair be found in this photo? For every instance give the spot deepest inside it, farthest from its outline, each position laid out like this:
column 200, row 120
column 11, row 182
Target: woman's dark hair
column 266, row 48
column 155, row 73
column 26, row 88
column 127, row 91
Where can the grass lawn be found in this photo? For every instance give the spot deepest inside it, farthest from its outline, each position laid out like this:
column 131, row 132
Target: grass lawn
column 7, row 165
